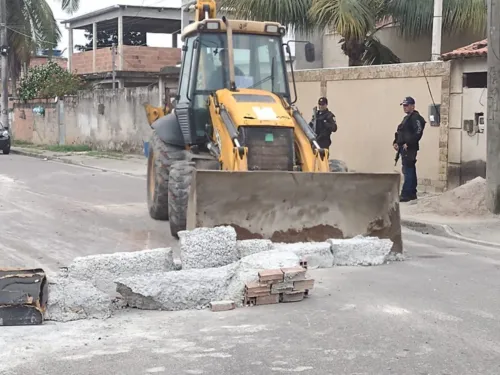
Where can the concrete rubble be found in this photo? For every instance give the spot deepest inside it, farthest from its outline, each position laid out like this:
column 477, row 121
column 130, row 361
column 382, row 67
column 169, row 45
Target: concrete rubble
column 250, row 247
column 102, row 270
column 216, row 268
column 317, row 254
column 71, row 299
column 208, row 247
column 177, row 290
column 360, row 251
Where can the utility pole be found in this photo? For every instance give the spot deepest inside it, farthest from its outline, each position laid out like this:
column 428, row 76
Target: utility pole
column 113, row 62
column 437, row 26
column 4, row 50
column 493, row 123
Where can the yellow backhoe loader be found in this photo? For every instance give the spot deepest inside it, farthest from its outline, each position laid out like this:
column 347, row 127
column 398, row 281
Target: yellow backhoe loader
column 236, row 151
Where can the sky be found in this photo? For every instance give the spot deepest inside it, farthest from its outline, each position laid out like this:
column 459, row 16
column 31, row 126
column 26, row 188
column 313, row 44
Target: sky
column 86, row 6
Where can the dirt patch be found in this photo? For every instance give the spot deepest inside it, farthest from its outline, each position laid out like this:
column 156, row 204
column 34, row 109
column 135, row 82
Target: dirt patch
column 466, row 200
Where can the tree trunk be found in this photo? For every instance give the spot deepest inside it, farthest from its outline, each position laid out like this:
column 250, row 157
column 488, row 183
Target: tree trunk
column 354, row 49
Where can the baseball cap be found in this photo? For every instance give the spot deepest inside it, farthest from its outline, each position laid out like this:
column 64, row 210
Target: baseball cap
column 322, row 101
column 408, row 100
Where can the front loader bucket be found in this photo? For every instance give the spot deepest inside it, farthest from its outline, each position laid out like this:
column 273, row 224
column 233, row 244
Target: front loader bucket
column 297, row 206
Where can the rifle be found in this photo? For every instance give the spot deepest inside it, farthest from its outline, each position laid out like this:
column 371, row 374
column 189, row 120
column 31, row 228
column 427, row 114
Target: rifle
column 396, row 158
column 314, row 120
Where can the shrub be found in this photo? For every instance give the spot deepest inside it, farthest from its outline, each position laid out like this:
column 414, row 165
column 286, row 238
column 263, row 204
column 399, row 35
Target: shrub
column 48, row 81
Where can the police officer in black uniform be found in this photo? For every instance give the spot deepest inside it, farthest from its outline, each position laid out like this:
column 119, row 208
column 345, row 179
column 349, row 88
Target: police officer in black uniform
column 406, row 143
column 323, row 123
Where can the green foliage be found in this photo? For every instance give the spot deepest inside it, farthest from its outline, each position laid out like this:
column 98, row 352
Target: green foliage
column 48, row 81
column 356, row 20
column 30, row 25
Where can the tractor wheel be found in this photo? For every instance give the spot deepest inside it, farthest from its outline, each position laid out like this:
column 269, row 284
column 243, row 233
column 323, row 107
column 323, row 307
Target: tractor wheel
column 179, row 184
column 160, row 159
column 338, row 166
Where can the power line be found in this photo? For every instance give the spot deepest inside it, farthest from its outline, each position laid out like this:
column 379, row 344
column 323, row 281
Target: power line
column 30, row 36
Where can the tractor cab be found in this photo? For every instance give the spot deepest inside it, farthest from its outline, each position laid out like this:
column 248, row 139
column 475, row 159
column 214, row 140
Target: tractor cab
column 213, row 50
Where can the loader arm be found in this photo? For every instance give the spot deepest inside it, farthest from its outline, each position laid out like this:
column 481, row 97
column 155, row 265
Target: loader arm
column 312, row 158
column 233, row 157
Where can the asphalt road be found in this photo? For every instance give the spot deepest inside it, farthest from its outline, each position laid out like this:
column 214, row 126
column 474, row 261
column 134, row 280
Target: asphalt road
column 52, row 212
column 438, row 312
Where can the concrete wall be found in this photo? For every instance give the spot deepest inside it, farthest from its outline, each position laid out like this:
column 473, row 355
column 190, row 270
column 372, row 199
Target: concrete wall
column 135, row 58
column 366, row 102
column 467, row 151
column 35, row 128
column 407, row 50
column 103, row 119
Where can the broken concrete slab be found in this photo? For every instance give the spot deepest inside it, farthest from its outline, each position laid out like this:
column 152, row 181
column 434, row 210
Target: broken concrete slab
column 218, row 306
column 360, row 251
column 317, row 254
column 103, row 269
column 71, row 299
column 208, row 247
column 249, row 267
column 249, row 247
column 177, row 290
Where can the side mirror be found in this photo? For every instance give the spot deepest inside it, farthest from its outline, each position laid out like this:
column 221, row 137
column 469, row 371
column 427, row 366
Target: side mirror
column 310, row 53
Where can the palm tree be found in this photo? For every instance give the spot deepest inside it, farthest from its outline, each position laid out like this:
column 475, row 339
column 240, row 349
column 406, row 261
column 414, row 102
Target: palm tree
column 30, row 25
column 358, row 21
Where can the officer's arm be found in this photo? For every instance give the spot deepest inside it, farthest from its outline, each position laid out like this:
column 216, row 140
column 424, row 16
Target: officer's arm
column 331, row 122
column 417, row 129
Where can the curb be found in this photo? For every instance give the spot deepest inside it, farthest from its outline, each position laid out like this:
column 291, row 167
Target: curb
column 443, row 230
column 66, row 161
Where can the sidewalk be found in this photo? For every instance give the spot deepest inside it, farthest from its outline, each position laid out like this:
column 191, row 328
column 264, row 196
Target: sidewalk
column 460, row 213
column 128, row 164
column 470, row 229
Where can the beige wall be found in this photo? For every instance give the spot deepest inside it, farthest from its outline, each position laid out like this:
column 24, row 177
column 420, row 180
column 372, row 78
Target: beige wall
column 366, row 102
column 467, row 153
column 406, row 50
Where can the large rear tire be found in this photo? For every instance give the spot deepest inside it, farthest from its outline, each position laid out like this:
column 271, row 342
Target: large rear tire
column 179, row 184
column 160, row 159
column 338, row 166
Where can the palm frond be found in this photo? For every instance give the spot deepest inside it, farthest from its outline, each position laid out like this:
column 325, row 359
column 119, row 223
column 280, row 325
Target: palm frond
column 70, row 6
column 31, row 25
column 291, row 13
column 378, row 54
column 352, row 19
column 415, row 18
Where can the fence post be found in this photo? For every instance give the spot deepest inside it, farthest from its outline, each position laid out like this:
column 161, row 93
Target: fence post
column 60, row 121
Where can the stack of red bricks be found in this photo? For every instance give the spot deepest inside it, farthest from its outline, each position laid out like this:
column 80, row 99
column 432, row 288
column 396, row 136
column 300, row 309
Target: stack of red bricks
column 279, row 285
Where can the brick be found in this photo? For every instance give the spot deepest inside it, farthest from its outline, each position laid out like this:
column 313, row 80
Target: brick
column 291, row 297
column 217, row 306
column 303, row 263
column 249, row 301
column 281, row 287
column 294, row 273
column 270, row 275
column 303, row 285
column 268, row 300
column 257, row 289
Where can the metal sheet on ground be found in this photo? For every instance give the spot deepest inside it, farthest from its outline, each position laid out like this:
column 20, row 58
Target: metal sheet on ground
column 23, row 296
column 297, row 206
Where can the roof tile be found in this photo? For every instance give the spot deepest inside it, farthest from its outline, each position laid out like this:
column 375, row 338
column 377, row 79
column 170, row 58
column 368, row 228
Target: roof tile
column 477, row 49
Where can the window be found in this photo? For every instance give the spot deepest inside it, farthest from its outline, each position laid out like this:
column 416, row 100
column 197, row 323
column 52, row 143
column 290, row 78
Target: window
column 258, row 61
column 477, row 80
column 184, row 81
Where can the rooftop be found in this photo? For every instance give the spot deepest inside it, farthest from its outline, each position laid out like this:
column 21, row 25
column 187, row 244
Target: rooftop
column 148, row 18
column 477, row 49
